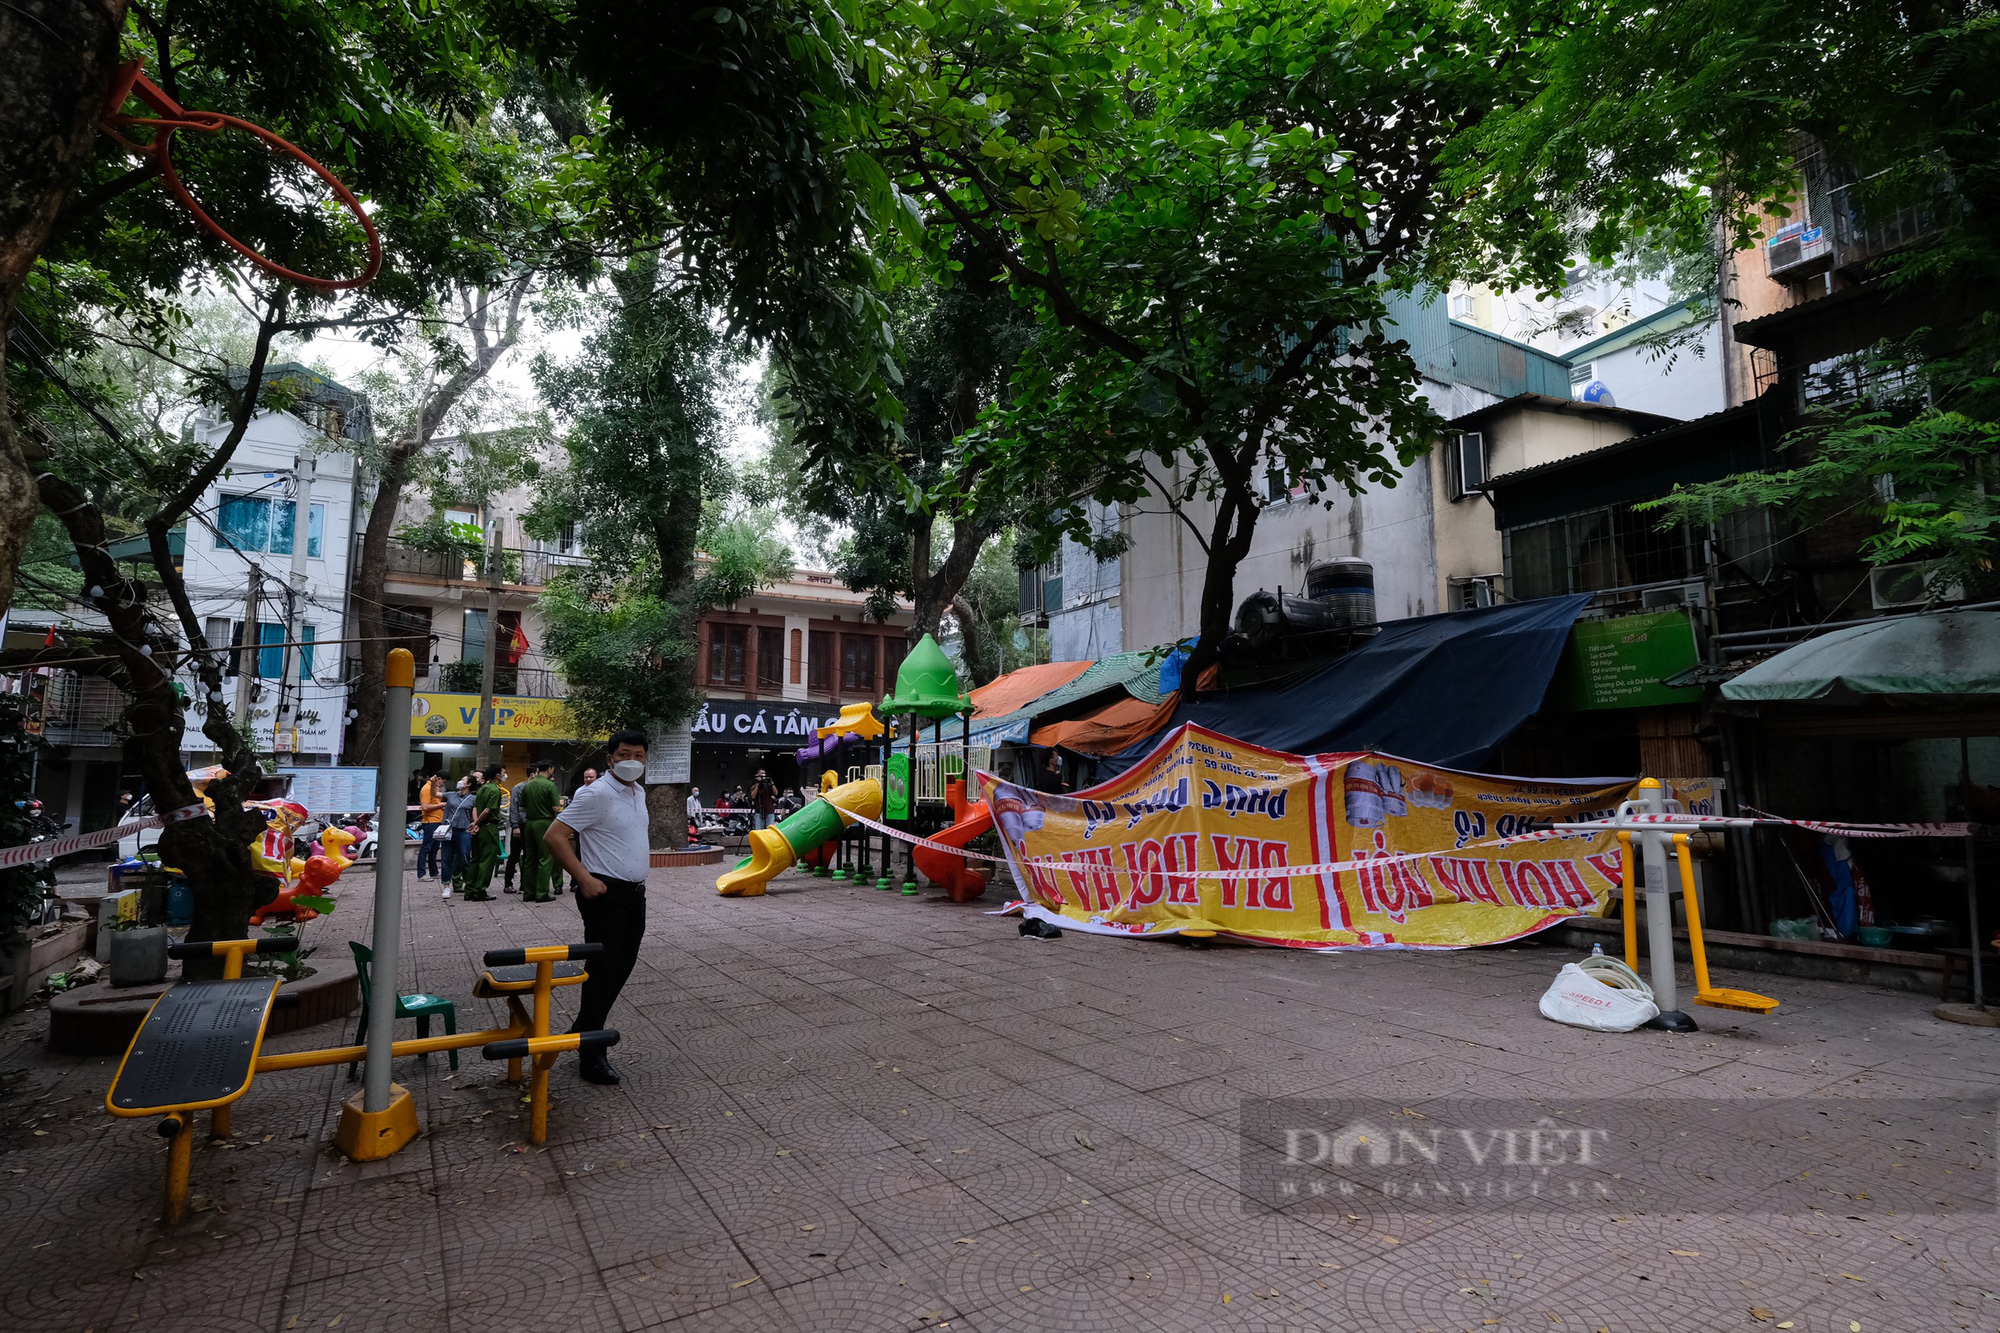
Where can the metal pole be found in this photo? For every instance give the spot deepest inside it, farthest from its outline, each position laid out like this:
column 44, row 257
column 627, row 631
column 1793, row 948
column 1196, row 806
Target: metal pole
column 291, row 688
column 1971, row 875
column 1660, row 913
column 392, row 782
column 493, row 562
column 246, row 654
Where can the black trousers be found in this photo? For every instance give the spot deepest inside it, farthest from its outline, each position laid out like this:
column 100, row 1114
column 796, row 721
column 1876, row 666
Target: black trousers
column 616, row 919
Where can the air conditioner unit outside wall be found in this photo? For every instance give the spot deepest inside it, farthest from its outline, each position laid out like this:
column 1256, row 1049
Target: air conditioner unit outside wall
column 1906, row 584
column 1798, row 251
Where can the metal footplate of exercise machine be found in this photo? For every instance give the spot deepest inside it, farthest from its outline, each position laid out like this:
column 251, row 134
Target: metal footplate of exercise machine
column 196, row 1049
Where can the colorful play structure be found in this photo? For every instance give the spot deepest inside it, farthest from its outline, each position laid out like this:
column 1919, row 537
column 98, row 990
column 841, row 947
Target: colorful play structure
column 912, row 788
column 201, row 1044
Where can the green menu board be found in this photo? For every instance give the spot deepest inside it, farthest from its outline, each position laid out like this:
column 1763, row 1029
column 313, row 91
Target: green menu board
column 1620, row 663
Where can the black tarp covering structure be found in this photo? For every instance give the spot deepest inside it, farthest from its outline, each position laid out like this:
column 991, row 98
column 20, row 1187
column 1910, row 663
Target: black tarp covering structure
column 1444, row 689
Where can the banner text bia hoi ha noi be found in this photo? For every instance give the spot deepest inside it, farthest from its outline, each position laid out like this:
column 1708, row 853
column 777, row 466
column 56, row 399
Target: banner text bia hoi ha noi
column 1134, row 851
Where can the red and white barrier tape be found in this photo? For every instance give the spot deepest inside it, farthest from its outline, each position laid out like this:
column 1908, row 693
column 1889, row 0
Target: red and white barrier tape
column 29, row 853
column 1394, row 858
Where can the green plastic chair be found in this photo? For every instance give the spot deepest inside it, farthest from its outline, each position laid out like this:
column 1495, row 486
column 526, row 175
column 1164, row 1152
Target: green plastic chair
column 419, row 1007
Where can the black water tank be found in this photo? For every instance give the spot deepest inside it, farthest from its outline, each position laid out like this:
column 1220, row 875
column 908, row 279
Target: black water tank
column 1266, row 617
column 1345, row 585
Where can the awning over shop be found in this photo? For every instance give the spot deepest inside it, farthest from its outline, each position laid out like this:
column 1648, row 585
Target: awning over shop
column 1124, row 672
column 1109, row 729
column 1936, row 657
column 1443, row 689
column 1017, row 689
column 1643, row 467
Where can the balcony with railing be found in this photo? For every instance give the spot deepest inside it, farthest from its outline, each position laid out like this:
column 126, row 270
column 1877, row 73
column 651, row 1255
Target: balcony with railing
column 518, row 568
column 523, row 682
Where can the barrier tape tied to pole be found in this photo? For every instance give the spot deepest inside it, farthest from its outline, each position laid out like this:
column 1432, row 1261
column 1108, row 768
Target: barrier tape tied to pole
column 29, row 853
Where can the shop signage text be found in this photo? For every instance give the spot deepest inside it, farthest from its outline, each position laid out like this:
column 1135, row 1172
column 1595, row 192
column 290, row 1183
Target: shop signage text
column 776, row 726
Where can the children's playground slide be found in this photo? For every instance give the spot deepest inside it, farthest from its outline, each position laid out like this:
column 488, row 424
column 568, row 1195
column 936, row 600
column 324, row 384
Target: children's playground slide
column 949, row 872
column 779, row 846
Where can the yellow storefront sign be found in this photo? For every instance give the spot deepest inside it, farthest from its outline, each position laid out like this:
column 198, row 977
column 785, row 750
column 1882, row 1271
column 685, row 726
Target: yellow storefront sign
column 1395, row 854
column 451, row 717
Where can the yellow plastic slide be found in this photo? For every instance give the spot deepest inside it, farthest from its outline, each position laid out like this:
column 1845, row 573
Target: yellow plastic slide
column 773, row 849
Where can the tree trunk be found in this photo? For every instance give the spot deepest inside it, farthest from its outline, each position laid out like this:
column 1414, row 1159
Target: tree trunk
column 212, row 850
column 1229, row 542
column 59, row 58
column 371, row 576
column 371, row 572
column 973, row 635
column 932, row 591
column 667, row 814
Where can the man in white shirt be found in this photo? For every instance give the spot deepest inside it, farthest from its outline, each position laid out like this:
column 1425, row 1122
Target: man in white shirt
column 600, row 839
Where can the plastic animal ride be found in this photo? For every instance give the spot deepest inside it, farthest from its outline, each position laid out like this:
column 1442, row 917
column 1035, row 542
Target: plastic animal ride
column 336, row 842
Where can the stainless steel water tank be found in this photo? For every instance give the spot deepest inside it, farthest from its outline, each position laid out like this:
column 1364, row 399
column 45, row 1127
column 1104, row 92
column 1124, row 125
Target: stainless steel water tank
column 1346, row 586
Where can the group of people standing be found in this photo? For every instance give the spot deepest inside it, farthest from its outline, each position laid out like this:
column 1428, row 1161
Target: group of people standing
column 464, row 824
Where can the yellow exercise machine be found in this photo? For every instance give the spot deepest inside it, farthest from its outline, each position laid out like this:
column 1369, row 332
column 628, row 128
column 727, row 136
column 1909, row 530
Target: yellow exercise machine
column 1705, row 993
column 201, row 1044
column 1748, row 1001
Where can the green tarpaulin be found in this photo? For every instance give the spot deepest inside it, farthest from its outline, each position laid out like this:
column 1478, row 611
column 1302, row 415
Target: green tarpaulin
column 1949, row 653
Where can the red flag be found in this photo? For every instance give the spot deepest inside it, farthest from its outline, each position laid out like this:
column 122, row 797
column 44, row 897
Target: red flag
column 518, row 647
column 49, row 639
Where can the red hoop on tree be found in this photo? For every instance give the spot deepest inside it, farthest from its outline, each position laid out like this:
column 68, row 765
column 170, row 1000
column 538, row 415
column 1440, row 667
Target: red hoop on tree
column 131, row 82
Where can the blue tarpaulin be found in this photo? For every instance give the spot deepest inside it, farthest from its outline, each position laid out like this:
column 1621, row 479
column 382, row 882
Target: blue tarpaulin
column 1444, row 689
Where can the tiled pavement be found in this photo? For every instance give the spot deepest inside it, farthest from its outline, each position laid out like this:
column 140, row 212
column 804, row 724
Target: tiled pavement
column 845, row 1110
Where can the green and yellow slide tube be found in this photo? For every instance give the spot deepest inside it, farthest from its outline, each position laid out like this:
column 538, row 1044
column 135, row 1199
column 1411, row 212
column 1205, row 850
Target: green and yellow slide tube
column 773, row 849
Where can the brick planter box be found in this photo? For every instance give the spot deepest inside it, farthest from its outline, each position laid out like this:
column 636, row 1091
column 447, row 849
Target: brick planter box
column 27, row 964
column 100, row 1020
column 709, row 856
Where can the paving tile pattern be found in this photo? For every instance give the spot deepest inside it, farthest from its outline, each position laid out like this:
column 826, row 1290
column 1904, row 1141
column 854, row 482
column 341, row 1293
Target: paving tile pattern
column 845, row 1110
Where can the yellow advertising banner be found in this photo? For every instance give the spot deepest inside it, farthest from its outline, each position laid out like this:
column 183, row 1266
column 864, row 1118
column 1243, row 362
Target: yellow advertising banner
column 1147, row 852
column 448, row 717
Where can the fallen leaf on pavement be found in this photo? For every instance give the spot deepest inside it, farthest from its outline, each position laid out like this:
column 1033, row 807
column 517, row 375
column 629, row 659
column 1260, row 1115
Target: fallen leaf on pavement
column 736, row 1286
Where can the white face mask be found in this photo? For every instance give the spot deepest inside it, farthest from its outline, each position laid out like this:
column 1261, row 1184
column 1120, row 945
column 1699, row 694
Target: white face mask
column 629, row 770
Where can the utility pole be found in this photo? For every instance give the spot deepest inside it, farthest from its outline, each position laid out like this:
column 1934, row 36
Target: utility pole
column 246, row 651
column 290, row 694
column 488, row 752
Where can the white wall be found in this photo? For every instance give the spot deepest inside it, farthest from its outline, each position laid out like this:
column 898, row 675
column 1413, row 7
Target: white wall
column 1682, row 382
column 218, row 576
column 1391, row 527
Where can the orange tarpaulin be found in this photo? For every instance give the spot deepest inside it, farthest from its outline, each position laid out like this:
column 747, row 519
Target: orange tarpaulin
column 1017, row 689
column 1110, row 729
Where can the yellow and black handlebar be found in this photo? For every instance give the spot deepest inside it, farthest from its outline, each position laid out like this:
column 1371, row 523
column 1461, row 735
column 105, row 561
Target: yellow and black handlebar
column 232, row 951
column 520, row 1048
column 542, row 953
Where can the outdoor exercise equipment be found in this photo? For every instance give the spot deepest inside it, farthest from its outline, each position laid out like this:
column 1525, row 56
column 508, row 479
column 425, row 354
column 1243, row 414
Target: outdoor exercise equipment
column 1643, row 819
column 201, row 1044
column 1704, row 993
column 131, row 82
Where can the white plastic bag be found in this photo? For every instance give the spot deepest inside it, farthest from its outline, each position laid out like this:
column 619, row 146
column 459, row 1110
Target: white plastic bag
column 1582, row 1001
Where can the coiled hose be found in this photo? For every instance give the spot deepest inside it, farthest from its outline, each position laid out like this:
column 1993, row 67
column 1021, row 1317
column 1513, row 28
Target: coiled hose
column 1612, row 972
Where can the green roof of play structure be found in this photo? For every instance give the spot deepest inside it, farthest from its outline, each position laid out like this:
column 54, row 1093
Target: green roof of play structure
column 927, row 685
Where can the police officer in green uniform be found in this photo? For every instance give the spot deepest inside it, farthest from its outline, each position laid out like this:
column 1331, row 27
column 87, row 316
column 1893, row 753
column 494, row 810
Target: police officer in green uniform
column 537, row 799
column 488, row 812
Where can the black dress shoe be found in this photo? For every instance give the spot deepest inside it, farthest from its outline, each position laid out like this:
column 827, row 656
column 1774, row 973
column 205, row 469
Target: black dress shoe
column 599, row 1070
